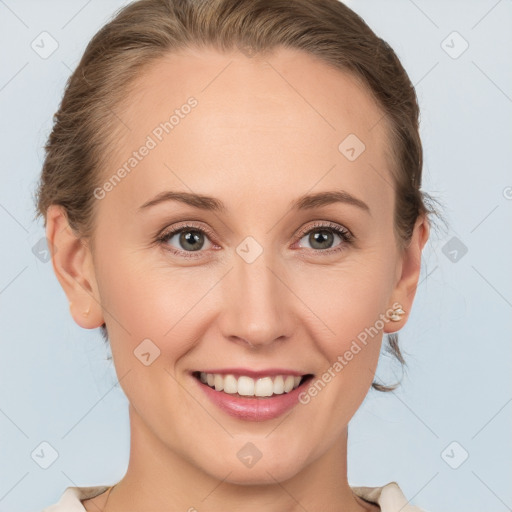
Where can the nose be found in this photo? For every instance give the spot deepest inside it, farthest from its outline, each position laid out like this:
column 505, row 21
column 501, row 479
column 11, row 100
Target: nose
column 257, row 306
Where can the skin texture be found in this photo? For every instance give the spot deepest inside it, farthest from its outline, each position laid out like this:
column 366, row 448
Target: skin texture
column 265, row 131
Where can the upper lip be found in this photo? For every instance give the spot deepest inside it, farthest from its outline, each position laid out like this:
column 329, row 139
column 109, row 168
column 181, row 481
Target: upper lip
column 255, row 374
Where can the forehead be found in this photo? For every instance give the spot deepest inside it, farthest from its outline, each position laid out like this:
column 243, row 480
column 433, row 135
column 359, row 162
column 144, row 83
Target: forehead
column 273, row 123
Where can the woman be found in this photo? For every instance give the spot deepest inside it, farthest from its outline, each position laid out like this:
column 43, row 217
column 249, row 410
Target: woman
column 232, row 193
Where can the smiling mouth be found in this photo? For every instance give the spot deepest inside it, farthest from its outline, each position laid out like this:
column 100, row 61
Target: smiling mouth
column 247, row 387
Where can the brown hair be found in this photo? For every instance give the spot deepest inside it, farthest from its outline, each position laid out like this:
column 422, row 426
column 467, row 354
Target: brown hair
column 83, row 133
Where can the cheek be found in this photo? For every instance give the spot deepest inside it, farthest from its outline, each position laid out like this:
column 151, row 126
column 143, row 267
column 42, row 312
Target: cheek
column 349, row 299
column 145, row 299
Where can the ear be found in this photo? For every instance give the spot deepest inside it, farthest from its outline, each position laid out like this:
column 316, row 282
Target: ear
column 73, row 265
column 408, row 272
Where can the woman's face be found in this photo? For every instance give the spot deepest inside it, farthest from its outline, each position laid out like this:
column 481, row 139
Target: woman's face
column 262, row 283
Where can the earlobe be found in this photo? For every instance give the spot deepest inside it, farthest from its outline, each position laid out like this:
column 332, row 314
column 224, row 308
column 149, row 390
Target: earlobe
column 73, row 267
column 405, row 289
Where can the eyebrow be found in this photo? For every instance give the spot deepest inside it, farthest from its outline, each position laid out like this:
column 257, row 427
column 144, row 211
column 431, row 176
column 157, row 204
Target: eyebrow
column 305, row 202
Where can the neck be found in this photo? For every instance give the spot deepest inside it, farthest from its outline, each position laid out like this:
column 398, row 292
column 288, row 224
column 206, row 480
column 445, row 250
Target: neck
column 159, row 478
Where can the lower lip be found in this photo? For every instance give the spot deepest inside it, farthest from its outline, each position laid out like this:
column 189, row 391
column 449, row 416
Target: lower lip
column 253, row 409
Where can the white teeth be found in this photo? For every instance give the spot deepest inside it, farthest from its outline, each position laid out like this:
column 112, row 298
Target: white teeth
column 218, row 381
column 247, row 386
column 263, row 387
column 230, row 384
column 288, row 383
column 279, row 385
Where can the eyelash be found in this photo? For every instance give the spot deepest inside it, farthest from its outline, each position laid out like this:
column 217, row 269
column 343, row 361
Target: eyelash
column 345, row 235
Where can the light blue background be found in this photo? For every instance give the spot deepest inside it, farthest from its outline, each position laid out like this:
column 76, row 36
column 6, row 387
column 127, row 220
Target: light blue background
column 58, row 387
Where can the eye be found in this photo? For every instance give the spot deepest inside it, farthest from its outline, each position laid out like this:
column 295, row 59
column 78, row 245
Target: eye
column 321, row 237
column 189, row 239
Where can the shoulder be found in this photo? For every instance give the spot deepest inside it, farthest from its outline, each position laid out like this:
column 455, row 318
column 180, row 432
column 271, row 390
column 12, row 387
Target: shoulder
column 70, row 500
column 389, row 497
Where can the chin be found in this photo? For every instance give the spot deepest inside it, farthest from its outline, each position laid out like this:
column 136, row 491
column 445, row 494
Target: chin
column 267, row 470
column 264, row 475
